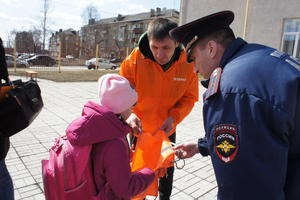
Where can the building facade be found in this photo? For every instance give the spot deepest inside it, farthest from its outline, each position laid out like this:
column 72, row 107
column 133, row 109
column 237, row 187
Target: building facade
column 271, row 22
column 24, row 42
column 117, row 36
column 69, row 40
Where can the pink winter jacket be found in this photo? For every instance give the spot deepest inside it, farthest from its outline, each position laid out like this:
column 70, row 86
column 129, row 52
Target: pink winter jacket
column 110, row 155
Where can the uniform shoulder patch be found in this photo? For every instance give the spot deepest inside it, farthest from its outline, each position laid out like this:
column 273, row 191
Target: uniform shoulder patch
column 277, row 54
column 213, row 83
column 287, row 58
column 226, row 141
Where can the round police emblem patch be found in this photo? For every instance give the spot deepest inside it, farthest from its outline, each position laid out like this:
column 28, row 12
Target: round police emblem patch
column 226, row 141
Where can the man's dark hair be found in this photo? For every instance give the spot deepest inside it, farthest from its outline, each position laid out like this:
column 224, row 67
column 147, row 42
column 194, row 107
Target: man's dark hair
column 159, row 28
column 222, row 36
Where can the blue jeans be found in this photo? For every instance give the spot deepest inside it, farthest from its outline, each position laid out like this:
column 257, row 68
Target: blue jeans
column 6, row 184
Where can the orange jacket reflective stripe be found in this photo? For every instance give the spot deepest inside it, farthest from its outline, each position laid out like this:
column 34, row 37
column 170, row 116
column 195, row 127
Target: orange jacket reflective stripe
column 161, row 94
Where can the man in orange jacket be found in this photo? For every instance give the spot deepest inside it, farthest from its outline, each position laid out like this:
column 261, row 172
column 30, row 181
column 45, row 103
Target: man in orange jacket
column 166, row 84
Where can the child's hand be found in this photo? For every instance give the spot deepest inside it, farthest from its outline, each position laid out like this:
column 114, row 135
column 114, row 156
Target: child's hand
column 135, row 123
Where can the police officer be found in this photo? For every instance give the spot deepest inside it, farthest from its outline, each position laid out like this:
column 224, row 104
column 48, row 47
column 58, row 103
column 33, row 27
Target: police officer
column 251, row 111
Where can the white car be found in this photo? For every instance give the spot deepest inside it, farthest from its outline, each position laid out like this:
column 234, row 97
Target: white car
column 70, row 57
column 19, row 62
column 102, row 64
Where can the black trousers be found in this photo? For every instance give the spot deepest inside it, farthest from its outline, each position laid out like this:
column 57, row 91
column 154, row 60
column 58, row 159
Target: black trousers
column 165, row 183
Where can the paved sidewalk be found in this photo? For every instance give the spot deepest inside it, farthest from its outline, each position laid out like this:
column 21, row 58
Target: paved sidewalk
column 63, row 103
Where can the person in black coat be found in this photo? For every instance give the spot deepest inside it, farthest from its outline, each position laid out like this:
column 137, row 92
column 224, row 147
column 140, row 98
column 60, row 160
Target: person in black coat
column 6, row 184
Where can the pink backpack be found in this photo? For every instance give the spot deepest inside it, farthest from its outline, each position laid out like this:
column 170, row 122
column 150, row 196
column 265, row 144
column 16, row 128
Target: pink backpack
column 67, row 175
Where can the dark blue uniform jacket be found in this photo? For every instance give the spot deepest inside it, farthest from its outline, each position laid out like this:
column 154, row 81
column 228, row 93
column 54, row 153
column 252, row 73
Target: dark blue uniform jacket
column 252, row 124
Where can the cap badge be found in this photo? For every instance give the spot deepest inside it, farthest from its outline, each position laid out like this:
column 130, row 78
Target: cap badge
column 189, row 45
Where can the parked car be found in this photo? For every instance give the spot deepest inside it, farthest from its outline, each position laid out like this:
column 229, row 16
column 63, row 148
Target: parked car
column 102, row 64
column 70, row 57
column 25, row 56
column 41, row 60
column 19, row 62
column 116, row 60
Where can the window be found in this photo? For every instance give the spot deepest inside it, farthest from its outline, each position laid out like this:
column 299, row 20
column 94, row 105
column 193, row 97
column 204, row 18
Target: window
column 291, row 37
column 9, row 58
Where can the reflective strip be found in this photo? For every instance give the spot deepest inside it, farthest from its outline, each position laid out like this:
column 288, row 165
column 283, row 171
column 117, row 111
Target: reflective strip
column 277, row 53
column 295, row 60
column 293, row 64
column 166, row 149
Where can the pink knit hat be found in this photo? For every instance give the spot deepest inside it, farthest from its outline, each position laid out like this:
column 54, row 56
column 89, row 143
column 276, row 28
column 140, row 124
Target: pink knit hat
column 116, row 93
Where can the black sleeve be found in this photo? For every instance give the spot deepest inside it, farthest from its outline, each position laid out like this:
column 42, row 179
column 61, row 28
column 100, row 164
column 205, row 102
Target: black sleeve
column 3, row 65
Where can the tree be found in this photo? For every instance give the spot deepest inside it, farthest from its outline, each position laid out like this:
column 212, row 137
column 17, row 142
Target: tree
column 37, row 37
column 90, row 12
column 11, row 37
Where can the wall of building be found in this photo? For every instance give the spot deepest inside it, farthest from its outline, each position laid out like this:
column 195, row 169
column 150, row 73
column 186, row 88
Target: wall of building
column 264, row 19
column 69, row 41
column 193, row 9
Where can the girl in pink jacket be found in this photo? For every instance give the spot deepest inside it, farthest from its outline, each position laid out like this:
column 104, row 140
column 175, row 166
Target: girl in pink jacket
column 102, row 125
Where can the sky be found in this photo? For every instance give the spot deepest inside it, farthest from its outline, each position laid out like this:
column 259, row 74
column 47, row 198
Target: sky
column 23, row 15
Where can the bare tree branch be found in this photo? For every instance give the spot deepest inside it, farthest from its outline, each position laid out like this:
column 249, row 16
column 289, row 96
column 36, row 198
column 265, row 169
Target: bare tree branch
column 90, row 12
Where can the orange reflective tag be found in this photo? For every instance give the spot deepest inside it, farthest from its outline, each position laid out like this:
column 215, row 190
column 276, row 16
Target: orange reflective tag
column 3, row 91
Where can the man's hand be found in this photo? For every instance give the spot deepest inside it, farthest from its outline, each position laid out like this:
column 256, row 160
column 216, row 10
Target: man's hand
column 186, row 150
column 135, row 123
column 167, row 125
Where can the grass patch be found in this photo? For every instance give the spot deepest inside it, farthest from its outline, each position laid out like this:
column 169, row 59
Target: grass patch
column 68, row 76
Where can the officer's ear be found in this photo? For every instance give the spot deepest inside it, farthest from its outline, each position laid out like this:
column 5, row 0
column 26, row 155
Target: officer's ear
column 212, row 48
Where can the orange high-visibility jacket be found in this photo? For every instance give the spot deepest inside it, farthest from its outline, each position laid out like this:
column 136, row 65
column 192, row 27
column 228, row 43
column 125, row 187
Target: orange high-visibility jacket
column 161, row 94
